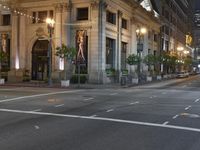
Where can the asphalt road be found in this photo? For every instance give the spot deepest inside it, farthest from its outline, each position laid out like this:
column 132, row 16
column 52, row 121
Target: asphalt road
column 159, row 116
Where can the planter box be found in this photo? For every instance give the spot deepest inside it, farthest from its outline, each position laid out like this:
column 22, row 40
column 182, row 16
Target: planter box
column 135, row 81
column 159, row 78
column 149, row 79
column 2, row 81
column 65, row 83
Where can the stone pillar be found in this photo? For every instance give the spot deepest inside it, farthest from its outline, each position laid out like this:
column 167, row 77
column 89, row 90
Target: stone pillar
column 57, row 34
column 15, row 74
column 66, row 20
column 133, row 49
column 22, row 42
column 15, row 41
column 97, row 42
column 119, row 40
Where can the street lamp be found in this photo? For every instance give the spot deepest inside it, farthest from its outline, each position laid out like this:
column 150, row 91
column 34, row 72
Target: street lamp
column 140, row 34
column 50, row 25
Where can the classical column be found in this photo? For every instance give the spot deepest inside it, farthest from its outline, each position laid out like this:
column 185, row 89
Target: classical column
column 15, row 42
column 58, row 33
column 22, row 41
column 66, row 20
column 119, row 41
column 97, row 61
column 133, row 49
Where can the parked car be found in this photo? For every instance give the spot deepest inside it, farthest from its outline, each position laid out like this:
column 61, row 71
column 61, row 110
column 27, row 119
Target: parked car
column 182, row 74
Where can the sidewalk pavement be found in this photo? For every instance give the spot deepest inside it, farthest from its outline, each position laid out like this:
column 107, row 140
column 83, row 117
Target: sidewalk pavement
column 153, row 84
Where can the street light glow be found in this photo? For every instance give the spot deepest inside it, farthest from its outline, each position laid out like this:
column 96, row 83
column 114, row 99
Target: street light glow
column 141, row 30
column 50, row 21
column 180, row 48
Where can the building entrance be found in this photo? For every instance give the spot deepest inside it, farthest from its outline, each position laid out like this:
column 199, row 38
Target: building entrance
column 40, row 60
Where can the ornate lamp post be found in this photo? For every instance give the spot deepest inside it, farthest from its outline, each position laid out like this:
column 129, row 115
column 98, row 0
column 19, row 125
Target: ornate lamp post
column 140, row 32
column 50, row 25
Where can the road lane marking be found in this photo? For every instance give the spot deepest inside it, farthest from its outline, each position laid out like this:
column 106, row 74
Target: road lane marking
column 37, row 110
column 37, row 127
column 134, row 103
column 113, row 94
column 164, row 93
column 39, row 95
column 110, row 110
column 88, row 99
column 93, row 116
column 165, row 123
column 60, row 105
column 197, row 100
column 104, row 119
column 187, row 108
column 176, row 116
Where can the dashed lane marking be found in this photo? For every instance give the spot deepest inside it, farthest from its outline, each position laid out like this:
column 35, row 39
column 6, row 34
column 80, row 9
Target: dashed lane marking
column 176, row 116
column 37, row 127
column 187, row 108
column 165, row 123
column 104, row 119
column 60, row 105
column 134, row 103
column 36, row 110
column 197, row 100
column 110, row 110
column 88, row 99
column 39, row 95
column 93, row 116
column 113, row 94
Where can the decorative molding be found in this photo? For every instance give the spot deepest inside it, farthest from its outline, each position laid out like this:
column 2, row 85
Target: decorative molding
column 58, row 7
column 120, row 13
column 67, row 7
column 40, row 32
column 95, row 5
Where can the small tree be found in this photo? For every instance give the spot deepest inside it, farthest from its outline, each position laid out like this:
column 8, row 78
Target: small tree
column 68, row 54
column 151, row 60
column 133, row 60
column 2, row 58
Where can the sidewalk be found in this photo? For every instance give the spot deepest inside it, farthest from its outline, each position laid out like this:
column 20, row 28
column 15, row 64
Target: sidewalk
column 153, row 84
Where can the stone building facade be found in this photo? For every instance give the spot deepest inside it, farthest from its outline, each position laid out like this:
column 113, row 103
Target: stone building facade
column 108, row 29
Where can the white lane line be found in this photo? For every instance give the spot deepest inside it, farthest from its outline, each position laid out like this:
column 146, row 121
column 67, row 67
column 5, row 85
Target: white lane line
column 134, row 103
column 60, row 105
column 88, row 99
column 164, row 93
column 37, row 127
column 176, row 116
column 93, row 116
column 197, row 100
column 39, row 95
column 113, row 94
column 184, row 86
column 37, row 110
column 110, row 110
column 104, row 119
column 187, row 108
column 165, row 123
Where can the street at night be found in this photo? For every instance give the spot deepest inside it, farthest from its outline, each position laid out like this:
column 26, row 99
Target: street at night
column 156, row 116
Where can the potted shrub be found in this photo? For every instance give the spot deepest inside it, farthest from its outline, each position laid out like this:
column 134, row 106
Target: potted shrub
column 110, row 72
column 2, row 58
column 124, row 72
column 68, row 54
column 133, row 60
